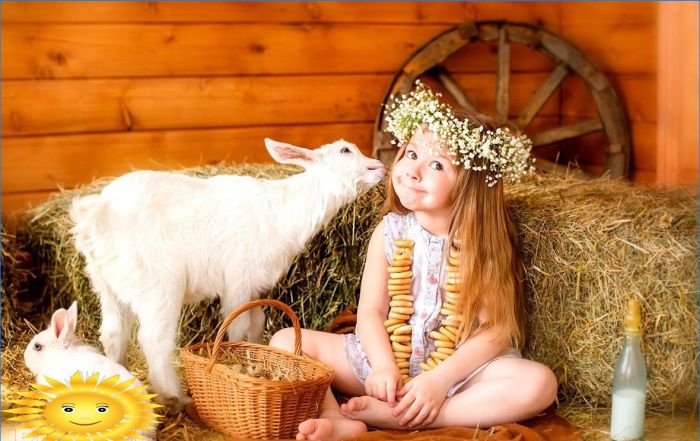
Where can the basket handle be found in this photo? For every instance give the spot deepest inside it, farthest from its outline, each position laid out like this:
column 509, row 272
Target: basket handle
column 250, row 305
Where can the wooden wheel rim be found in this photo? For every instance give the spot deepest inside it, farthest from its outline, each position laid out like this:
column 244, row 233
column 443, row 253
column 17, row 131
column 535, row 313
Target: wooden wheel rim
column 568, row 59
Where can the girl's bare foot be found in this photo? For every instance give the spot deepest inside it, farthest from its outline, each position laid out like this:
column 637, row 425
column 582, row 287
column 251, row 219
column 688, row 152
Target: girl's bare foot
column 373, row 412
column 330, row 428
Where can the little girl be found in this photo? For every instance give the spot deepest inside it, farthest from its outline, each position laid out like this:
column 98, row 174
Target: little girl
column 447, row 232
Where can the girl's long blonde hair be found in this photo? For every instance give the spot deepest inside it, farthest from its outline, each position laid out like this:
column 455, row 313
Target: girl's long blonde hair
column 490, row 266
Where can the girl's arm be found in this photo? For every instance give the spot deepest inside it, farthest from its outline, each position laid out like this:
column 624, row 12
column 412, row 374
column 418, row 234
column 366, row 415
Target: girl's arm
column 372, row 310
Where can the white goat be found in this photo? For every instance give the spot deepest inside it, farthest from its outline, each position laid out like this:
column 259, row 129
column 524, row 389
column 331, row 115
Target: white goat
column 154, row 241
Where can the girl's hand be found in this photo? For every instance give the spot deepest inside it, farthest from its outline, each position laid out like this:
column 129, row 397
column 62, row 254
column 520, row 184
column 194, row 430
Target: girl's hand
column 421, row 400
column 383, row 382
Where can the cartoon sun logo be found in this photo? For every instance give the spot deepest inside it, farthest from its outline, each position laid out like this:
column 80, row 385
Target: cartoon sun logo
column 86, row 409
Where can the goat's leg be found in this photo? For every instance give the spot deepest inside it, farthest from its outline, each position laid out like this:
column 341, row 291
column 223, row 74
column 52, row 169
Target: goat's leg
column 157, row 336
column 115, row 329
column 117, row 319
column 257, row 325
column 248, row 325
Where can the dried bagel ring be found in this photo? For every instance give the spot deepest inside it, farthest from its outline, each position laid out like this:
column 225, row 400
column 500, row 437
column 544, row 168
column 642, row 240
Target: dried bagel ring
column 392, row 328
column 402, row 254
column 452, row 268
column 448, row 334
column 398, row 269
column 391, row 322
column 400, row 282
column 432, row 363
column 399, row 347
column 438, row 336
column 401, row 303
column 403, row 364
column 439, row 355
column 452, row 329
column 401, row 275
column 425, row 366
column 451, row 294
column 402, row 262
column 397, row 316
column 402, row 355
column 403, row 310
column 446, row 311
column 444, row 344
column 453, row 261
column 403, row 329
column 398, row 292
column 400, row 338
column 408, row 297
column 448, row 351
column 404, row 243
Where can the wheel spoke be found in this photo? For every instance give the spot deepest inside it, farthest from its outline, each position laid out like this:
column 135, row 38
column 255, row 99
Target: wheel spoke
column 540, row 97
column 444, row 77
column 503, row 80
column 567, row 132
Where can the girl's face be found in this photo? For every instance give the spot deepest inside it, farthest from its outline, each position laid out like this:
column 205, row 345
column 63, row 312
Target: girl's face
column 424, row 177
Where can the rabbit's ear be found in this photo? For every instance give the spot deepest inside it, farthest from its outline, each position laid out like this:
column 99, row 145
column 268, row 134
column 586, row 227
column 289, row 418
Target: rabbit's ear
column 72, row 316
column 58, row 323
column 63, row 323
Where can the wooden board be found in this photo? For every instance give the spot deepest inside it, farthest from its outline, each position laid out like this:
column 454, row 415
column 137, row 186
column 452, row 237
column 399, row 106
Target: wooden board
column 276, row 12
column 616, row 47
column 43, row 163
column 73, row 106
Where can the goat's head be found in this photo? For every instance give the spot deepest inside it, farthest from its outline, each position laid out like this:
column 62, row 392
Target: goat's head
column 340, row 160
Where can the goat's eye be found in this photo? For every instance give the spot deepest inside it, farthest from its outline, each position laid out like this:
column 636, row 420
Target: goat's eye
column 38, row 346
column 345, row 150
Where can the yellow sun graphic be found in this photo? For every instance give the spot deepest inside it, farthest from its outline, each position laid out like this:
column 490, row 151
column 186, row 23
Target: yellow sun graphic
column 86, row 409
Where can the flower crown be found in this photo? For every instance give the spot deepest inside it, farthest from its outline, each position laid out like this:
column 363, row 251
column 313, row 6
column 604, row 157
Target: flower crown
column 500, row 153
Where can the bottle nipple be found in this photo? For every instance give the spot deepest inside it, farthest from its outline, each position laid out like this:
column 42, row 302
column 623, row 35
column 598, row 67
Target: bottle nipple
column 633, row 318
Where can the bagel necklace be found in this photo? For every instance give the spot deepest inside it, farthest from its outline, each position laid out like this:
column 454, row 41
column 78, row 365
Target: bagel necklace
column 401, row 310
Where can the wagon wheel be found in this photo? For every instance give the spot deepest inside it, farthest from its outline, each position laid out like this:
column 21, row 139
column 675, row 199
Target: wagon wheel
column 428, row 61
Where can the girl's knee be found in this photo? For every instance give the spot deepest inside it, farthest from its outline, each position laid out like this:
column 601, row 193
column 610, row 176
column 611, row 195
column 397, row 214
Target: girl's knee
column 283, row 339
column 543, row 389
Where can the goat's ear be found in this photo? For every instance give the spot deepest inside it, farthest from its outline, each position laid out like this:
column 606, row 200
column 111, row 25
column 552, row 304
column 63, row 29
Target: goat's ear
column 289, row 154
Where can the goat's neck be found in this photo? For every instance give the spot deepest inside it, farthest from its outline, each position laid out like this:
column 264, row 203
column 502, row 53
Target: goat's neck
column 311, row 200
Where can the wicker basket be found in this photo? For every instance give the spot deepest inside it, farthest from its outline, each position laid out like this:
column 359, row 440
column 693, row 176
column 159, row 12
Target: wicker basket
column 240, row 405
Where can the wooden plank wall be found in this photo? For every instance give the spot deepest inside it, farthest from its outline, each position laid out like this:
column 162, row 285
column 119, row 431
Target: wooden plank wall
column 98, row 89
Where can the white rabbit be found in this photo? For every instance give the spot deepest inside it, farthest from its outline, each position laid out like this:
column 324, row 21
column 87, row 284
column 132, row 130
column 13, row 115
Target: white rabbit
column 58, row 353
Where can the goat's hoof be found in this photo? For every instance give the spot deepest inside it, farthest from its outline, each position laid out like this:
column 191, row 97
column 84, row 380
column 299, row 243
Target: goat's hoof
column 173, row 404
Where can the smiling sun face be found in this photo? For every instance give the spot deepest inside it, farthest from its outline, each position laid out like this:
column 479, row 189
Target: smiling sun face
column 86, row 407
column 84, row 412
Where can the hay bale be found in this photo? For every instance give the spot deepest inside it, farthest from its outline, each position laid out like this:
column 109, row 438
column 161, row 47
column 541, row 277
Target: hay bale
column 588, row 246
column 21, row 291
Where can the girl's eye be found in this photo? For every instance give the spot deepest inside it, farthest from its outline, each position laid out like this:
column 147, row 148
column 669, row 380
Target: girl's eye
column 345, row 150
column 411, row 154
column 38, row 347
column 436, row 165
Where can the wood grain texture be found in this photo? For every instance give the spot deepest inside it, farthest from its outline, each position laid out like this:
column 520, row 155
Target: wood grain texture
column 276, row 12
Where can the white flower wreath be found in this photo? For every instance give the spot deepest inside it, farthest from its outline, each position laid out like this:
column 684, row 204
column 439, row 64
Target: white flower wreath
column 499, row 153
